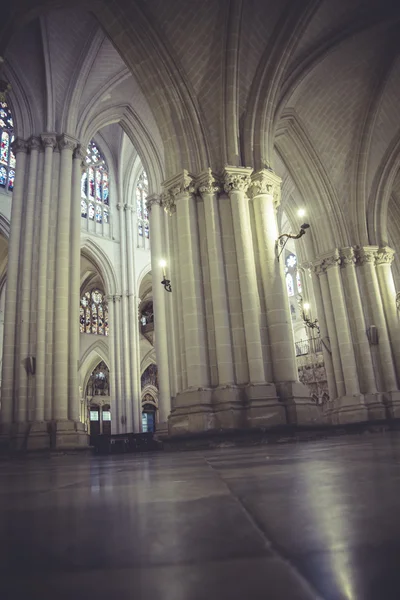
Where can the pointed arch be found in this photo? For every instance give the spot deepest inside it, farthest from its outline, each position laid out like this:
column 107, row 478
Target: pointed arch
column 329, row 228
column 91, row 250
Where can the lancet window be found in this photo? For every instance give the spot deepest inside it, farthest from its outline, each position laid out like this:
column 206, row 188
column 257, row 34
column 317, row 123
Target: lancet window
column 94, row 313
column 7, row 157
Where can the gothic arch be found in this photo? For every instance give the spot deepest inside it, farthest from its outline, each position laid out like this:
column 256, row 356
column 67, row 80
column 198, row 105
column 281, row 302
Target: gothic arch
column 95, row 254
column 150, row 154
column 377, row 209
column 311, row 179
column 96, row 353
column 259, row 122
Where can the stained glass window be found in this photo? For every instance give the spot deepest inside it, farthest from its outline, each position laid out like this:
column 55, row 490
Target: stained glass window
column 291, row 261
column 142, row 190
column 298, row 280
column 289, row 284
column 93, row 316
column 95, row 187
column 7, row 157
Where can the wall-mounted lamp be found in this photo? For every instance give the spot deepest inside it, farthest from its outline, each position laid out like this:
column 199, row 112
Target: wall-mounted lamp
column 165, row 282
column 284, row 237
column 304, row 308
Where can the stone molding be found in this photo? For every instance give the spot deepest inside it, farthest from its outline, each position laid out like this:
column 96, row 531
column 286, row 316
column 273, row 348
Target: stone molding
column 49, row 140
column 266, row 182
column 208, row 183
column 237, row 179
column 152, row 200
column 19, row 145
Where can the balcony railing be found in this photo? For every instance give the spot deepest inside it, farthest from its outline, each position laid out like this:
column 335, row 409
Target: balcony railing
column 311, row 346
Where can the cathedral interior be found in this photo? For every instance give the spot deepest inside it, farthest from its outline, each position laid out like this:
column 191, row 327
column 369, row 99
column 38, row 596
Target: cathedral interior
column 200, row 245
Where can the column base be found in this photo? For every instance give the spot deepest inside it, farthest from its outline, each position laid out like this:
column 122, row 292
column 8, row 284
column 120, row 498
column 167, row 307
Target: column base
column 264, row 408
column 347, row 409
column 377, row 406
column 299, row 406
column 192, row 412
column 392, row 400
column 161, row 431
column 44, row 435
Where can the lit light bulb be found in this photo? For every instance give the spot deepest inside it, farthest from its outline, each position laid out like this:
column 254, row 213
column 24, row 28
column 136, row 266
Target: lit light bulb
column 306, row 306
column 301, row 212
column 163, row 263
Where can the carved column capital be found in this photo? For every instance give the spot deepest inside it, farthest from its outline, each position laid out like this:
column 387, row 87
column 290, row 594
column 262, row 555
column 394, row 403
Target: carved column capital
column 49, row 140
column 347, row 257
column 181, row 184
column 19, row 145
column 153, row 200
column 65, row 142
column 317, row 267
column 208, row 183
column 266, row 182
column 237, row 179
column 326, row 262
column 385, row 256
column 168, row 202
column 34, row 143
column 79, row 153
column 365, row 254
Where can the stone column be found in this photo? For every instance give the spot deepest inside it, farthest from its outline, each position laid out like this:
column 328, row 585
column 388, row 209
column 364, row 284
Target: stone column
column 113, row 365
column 182, row 189
column 373, row 400
column 126, row 390
column 49, row 142
column 13, row 268
column 193, row 408
column 61, row 312
column 265, row 191
column 120, row 426
column 350, row 407
column 134, row 350
column 349, row 367
column 326, row 352
column 236, row 183
column 209, row 188
column 159, row 299
column 384, row 260
column 74, row 286
column 331, row 328
column 366, row 258
column 21, row 396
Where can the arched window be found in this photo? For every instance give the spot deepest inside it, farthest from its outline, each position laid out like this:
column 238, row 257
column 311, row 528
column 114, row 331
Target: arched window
column 142, row 190
column 289, row 284
column 95, row 182
column 7, row 157
column 298, row 281
column 94, row 313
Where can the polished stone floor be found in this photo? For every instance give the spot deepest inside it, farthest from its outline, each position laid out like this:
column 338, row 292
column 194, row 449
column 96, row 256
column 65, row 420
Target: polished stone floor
column 290, row 521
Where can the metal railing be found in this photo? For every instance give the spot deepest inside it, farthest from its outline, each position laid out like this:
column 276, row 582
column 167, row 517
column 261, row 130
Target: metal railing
column 310, row 346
